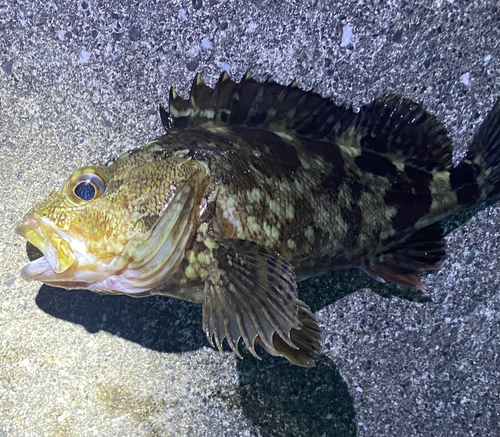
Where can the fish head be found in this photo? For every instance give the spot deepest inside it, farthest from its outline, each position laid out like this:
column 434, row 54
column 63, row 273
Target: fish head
column 120, row 228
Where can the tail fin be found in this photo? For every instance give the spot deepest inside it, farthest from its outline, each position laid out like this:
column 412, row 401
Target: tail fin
column 477, row 177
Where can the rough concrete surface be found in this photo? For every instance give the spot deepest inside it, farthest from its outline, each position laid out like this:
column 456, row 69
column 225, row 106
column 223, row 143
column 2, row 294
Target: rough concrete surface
column 81, row 82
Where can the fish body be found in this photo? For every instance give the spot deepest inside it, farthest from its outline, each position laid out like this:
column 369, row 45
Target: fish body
column 255, row 186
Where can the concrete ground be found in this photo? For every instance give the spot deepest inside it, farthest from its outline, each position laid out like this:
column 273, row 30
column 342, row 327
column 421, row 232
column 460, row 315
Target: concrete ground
column 81, row 82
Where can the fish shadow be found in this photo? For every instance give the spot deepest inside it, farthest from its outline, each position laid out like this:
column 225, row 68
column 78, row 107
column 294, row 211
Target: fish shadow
column 172, row 325
column 159, row 323
column 285, row 400
column 277, row 397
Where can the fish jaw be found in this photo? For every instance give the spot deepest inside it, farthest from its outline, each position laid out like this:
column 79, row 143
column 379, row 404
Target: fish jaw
column 44, row 235
column 65, row 262
column 36, row 270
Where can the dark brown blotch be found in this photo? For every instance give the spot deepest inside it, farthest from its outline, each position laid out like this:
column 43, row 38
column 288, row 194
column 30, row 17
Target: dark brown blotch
column 181, row 122
column 326, row 149
column 332, row 180
column 377, row 164
column 282, row 151
column 377, row 143
column 258, row 118
column 463, row 181
column 331, row 183
column 352, row 213
column 247, row 91
column 410, row 193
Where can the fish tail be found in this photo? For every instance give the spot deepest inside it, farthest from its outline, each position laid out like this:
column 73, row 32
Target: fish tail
column 477, row 177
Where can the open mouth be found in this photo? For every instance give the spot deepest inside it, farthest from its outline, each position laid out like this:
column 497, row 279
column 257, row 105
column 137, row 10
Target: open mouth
column 64, row 261
column 57, row 257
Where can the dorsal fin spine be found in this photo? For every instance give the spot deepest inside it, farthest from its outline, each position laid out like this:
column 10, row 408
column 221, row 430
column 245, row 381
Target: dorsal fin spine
column 390, row 126
column 309, row 119
column 254, row 107
column 293, row 111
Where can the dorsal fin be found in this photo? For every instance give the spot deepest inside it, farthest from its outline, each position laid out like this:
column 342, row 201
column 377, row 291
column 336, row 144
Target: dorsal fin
column 398, row 128
column 391, row 126
column 252, row 103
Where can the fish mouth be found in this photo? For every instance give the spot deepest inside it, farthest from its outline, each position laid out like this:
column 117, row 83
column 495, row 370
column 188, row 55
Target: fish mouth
column 65, row 262
column 142, row 265
column 44, row 235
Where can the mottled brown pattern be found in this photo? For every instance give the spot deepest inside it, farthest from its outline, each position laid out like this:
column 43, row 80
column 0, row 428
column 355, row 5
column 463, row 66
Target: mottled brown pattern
column 254, row 186
column 258, row 189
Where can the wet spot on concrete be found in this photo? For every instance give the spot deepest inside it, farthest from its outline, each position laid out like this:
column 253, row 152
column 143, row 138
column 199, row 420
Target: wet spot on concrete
column 7, row 66
column 135, row 34
column 192, row 65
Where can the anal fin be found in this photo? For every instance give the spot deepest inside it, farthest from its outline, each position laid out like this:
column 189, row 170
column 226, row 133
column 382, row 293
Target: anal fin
column 391, row 274
column 251, row 293
column 402, row 262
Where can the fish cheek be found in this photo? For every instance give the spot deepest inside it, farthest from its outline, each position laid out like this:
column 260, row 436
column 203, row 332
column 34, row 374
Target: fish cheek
column 104, row 228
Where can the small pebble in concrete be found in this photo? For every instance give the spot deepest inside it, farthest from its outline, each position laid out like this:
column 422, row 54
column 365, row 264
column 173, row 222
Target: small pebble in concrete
column 346, row 36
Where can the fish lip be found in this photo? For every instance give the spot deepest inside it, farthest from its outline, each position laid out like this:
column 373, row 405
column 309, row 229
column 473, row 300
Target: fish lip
column 35, row 269
column 28, row 223
column 31, row 231
column 47, row 269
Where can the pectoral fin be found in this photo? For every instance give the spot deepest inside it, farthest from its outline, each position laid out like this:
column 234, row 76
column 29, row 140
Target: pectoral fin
column 251, row 293
column 307, row 339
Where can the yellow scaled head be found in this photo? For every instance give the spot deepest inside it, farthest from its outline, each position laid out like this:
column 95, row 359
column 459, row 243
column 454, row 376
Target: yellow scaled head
column 119, row 228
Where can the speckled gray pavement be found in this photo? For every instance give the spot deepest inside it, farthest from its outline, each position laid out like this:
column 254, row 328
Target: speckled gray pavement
column 81, row 82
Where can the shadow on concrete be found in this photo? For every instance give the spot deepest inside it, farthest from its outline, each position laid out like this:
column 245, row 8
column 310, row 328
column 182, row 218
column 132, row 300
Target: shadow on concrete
column 279, row 398
column 172, row 325
column 158, row 323
column 286, row 400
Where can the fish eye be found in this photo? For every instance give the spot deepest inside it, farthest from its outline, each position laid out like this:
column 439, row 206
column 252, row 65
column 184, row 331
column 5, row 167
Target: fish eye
column 84, row 186
column 85, row 190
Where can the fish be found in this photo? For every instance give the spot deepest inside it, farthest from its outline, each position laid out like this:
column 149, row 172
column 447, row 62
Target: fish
column 254, row 187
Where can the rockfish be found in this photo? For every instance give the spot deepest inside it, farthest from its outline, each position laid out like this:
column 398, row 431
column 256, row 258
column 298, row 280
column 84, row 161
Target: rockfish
column 256, row 186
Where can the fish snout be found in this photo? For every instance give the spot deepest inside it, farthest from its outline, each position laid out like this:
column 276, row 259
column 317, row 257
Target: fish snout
column 42, row 233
